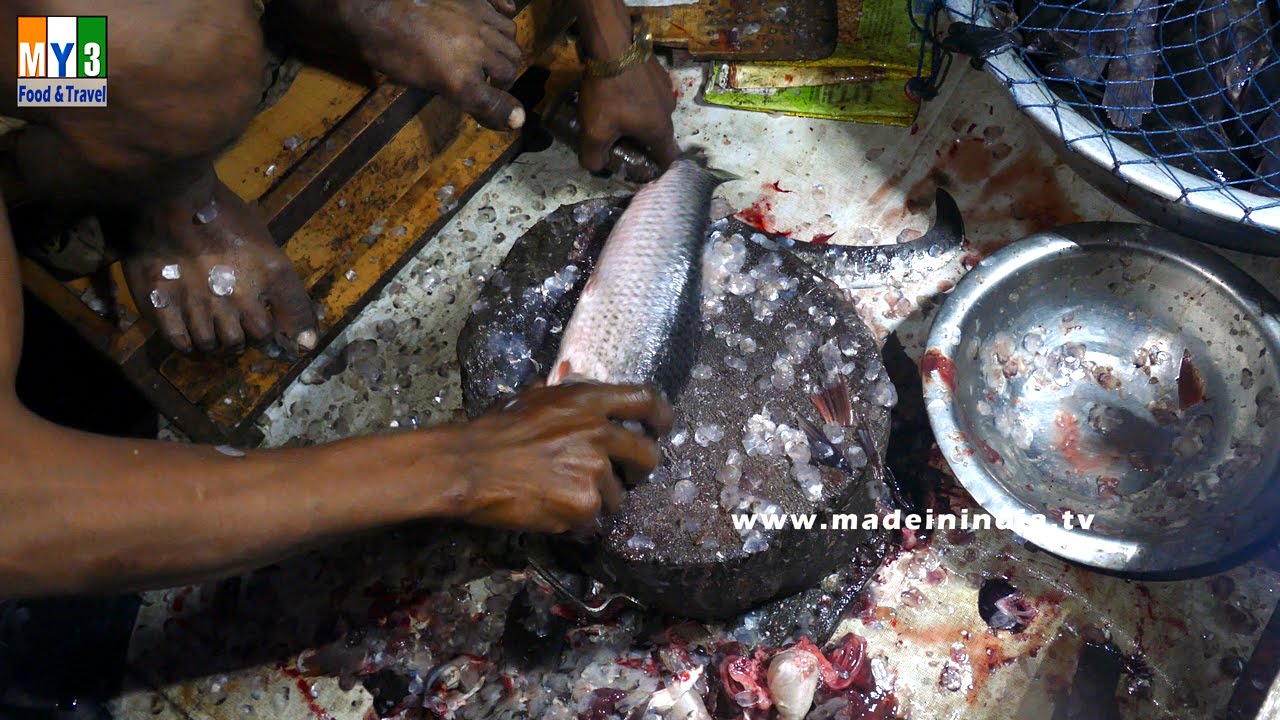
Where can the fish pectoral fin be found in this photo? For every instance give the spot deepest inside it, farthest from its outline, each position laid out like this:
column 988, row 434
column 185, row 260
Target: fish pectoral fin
column 947, row 231
column 723, row 176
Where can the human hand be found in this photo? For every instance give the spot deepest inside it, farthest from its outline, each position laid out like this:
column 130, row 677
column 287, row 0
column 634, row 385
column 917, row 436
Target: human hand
column 638, row 104
column 544, row 462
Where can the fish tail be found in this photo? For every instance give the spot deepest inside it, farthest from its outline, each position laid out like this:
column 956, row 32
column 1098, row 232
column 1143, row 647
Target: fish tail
column 698, row 155
column 833, row 403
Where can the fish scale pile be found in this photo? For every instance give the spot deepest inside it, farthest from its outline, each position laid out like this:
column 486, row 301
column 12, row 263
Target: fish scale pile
column 1193, row 82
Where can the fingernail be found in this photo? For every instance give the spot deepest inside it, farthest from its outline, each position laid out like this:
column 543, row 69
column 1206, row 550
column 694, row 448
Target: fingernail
column 307, row 339
column 515, row 120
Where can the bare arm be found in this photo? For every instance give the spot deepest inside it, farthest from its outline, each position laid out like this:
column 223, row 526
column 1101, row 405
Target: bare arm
column 82, row 513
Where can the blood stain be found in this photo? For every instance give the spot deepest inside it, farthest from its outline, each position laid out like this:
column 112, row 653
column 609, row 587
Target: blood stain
column 759, row 216
column 935, row 361
column 1070, row 446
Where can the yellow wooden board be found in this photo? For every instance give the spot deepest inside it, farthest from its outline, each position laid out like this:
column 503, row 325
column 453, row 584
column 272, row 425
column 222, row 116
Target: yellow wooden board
column 280, row 136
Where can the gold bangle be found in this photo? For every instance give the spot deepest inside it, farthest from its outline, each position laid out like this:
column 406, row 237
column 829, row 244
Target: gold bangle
column 640, row 52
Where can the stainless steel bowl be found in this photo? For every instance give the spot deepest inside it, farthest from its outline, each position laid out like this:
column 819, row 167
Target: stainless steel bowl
column 1118, row 371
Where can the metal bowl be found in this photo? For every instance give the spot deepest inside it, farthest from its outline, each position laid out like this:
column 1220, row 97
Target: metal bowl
column 1173, row 198
column 1118, row 371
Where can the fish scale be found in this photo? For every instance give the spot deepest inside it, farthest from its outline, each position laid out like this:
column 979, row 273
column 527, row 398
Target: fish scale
column 636, row 321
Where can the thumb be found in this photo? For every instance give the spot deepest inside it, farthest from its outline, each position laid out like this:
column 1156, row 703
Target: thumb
column 594, row 155
column 491, row 107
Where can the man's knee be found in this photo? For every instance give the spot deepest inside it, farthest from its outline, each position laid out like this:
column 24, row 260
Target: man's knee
column 176, row 94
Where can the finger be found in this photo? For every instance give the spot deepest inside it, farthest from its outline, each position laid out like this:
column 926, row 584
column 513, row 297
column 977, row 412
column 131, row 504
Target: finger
column 491, row 107
column 506, row 7
column 291, row 308
column 502, row 72
column 611, row 491
column 663, row 148
column 169, row 319
column 628, row 402
column 594, row 154
column 502, row 22
column 226, row 324
column 164, row 307
column 200, row 325
column 256, row 321
column 631, row 449
column 507, row 47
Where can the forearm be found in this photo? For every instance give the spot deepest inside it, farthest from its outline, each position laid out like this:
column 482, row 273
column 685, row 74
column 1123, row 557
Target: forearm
column 82, row 513
column 605, row 27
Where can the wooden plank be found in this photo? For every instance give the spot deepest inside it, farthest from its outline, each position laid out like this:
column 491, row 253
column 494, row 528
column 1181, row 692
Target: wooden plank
column 747, row 29
column 361, row 134
column 314, row 104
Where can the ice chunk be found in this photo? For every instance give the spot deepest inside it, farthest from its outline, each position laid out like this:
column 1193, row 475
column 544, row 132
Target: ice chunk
column 684, row 492
column 222, row 280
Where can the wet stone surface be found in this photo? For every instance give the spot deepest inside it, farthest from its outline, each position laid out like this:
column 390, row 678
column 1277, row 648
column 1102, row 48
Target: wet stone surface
column 749, row 436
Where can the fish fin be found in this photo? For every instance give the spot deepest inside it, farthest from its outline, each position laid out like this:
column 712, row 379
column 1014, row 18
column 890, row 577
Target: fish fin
column 561, row 372
column 821, row 449
column 723, row 176
column 698, row 154
column 833, row 403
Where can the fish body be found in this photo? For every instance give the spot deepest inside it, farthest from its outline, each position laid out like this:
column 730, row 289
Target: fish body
column 1196, row 119
column 1268, row 171
column 1245, row 39
column 637, row 318
column 1131, row 72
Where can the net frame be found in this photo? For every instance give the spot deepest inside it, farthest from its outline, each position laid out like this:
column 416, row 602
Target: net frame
column 1143, row 156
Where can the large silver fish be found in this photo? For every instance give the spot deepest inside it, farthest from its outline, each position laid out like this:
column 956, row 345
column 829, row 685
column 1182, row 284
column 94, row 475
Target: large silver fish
column 637, row 319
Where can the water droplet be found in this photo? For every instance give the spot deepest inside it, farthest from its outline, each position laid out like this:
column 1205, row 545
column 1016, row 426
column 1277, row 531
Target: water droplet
column 222, row 280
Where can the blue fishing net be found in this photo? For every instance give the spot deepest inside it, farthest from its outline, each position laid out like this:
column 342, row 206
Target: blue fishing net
column 1192, row 85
